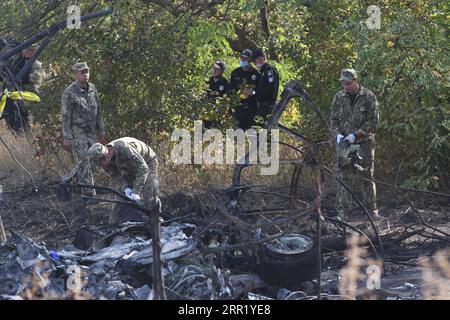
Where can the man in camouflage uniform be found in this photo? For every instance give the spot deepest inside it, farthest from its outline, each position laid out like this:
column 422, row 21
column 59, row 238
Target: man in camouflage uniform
column 17, row 113
column 32, row 80
column 354, row 118
column 82, row 123
column 133, row 166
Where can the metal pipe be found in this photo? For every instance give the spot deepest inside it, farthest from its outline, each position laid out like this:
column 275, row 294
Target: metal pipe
column 48, row 32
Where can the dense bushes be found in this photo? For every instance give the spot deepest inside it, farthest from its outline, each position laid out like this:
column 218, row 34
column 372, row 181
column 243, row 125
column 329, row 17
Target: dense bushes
column 151, row 58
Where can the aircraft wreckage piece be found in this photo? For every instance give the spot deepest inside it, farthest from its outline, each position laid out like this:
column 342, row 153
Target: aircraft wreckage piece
column 292, row 89
column 22, row 260
column 310, row 156
column 175, row 243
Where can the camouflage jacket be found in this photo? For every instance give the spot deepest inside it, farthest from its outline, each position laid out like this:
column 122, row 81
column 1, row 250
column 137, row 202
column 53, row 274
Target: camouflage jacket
column 80, row 109
column 360, row 118
column 132, row 163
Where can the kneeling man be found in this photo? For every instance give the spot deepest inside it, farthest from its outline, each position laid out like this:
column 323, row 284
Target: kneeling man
column 134, row 167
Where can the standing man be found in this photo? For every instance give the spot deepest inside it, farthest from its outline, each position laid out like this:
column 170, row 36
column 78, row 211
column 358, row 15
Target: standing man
column 82, row 123
column 267, row 89
column 244, row 81
column 218, row 87
column 133, row 166
column 17, row 113
column 354, row 119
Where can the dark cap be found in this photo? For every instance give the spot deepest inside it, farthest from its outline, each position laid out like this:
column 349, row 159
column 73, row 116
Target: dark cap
column 257, row 53
column 220, row 64
column 247, row 53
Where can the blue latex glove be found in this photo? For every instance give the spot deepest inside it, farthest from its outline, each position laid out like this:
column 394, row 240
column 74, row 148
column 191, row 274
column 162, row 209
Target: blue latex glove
column 131, row 195
column 339, row 138
column 350, row 138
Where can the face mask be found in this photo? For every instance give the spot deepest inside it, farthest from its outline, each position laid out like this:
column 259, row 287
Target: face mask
column 259, row 65
column 243, row 63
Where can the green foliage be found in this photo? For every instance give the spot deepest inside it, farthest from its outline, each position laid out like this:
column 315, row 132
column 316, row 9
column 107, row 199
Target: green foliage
column 406, row 64
column 150, row 64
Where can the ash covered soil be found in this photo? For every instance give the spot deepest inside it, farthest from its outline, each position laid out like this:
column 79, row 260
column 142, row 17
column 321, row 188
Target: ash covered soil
column 215, row 252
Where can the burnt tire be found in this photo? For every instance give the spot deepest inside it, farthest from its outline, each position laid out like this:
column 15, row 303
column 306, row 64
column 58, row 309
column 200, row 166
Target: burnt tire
column 287, row 270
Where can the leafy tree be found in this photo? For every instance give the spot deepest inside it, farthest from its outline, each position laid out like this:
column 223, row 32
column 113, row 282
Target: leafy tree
column 150, row 60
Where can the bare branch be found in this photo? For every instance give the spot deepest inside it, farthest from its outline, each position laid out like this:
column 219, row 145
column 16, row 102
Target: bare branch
column 263, row 16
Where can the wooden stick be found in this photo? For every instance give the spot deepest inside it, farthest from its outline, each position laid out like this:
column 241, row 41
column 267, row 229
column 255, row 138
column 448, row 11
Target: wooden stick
column 2, row 231
column 158, row 279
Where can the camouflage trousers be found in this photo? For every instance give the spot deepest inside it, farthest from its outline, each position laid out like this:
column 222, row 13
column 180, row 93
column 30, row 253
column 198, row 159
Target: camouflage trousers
column 148, row 195
column 80, row 147
column 349, row 175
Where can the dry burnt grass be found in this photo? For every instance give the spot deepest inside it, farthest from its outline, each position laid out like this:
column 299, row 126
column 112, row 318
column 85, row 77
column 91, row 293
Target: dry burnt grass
column 198, row 194
column 42, row 217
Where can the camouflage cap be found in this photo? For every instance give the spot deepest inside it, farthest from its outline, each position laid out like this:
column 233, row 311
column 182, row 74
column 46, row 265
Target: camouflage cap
column 96, row 151
column 80, row 66
column 348, row 75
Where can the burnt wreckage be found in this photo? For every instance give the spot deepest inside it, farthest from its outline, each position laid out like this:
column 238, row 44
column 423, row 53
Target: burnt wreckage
column 225, row 254
column 119, row 263
column 309, row 258
column 178, row 260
